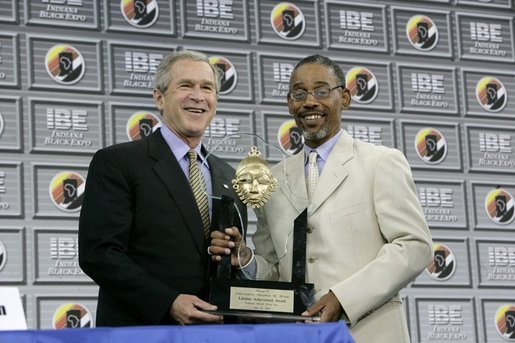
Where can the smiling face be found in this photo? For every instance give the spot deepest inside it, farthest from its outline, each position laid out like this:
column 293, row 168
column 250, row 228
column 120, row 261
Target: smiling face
column 189, row 103
column 319, row 119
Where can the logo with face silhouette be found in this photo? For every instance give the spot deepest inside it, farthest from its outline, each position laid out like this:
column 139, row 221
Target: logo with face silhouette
column 72, row 316
column 229, row 76
column 362, row 85
column 505, row 322
column 1, row 124
column 67, row 191
column 140, row 13
column 65, row 64
column 3, row 256
column 290, row 137
column 444, row 263
column 430, row 146
column 491, row 94
column 422, row 32
column 287, row 21
column 499, row 206
column 141, row 124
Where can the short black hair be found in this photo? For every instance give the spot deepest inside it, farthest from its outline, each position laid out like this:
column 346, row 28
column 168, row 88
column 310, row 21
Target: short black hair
column 325, row 61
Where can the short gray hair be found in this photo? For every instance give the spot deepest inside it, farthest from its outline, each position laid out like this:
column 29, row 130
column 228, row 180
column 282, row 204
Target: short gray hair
column 162, row 76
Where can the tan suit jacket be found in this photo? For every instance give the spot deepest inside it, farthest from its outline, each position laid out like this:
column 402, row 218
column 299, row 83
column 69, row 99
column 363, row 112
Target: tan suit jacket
column 367, row 236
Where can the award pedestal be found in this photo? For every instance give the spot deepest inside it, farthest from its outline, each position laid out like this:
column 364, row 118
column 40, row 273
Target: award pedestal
column 266, row 301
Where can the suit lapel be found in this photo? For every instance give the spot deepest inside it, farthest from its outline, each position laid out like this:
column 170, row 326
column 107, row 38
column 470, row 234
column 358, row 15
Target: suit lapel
column 171, row 175
column 335, row 171
column 294, row 187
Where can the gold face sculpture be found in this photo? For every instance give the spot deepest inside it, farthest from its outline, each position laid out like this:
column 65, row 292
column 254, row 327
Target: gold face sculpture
column 254, row 182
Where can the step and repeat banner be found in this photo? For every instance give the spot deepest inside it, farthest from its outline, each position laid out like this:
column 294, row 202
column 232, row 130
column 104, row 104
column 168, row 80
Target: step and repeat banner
column 435, row 79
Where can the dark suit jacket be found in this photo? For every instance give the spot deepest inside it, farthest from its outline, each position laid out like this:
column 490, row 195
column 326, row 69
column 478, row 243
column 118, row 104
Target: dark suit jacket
column 140, row 232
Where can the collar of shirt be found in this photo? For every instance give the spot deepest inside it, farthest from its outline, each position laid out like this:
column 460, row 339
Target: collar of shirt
column 180, row 148
column 323, row 151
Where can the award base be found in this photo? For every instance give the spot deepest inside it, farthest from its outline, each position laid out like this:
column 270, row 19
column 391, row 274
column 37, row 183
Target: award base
column 261, row 301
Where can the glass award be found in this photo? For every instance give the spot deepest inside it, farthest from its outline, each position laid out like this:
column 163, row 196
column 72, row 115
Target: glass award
column 242, row 296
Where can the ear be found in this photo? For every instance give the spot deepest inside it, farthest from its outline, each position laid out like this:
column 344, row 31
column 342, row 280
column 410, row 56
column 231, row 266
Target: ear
column 346, row 99
column 158, row 99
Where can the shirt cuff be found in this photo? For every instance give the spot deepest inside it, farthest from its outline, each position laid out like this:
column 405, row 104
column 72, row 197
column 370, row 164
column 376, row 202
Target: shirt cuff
column 249, row 270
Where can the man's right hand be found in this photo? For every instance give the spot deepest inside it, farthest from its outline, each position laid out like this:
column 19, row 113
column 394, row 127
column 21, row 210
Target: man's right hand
column 229, row 242
column 186, row 309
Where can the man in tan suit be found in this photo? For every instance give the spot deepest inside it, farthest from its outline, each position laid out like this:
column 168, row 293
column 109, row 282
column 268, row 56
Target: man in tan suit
column 367, row 237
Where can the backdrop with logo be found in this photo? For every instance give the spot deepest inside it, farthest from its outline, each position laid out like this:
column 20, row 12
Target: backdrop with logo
column 435, row 79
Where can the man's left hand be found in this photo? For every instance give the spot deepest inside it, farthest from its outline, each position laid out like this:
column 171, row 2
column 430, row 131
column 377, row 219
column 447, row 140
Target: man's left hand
column 329, row 307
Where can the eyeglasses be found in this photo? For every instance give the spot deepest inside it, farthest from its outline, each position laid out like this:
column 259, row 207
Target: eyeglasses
column 318, row 93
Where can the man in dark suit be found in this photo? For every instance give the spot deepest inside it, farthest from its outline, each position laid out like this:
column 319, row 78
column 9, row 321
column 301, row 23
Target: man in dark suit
column 142, row 236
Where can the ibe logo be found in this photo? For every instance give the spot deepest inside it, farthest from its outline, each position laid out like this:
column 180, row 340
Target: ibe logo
column 353, row 20
column 427, row 83
column 485, row 32
column 282, row 72
column 64, row 248
column 215, row 9
column 223, row 127
column 435, row 197
column 370, row 134
column 501, row 256
column 445, row 315
column 141, row 62
column 493, row 142
column 65, row 119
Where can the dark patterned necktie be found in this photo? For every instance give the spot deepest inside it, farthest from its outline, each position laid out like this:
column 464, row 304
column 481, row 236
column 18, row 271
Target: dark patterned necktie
column 198, row 186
